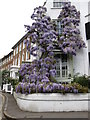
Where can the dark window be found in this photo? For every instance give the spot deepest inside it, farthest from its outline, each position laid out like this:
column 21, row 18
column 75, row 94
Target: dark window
column 89, row 58
column 9, row 87
column 87, row 26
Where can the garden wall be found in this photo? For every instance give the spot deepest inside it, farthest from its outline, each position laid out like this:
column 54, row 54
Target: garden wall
column 52, row 102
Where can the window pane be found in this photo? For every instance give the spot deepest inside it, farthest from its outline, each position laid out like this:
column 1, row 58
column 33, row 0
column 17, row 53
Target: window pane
column 63, row 73
column 57, row 4
column 61, row 65
column 58, row 27
column 57, row 73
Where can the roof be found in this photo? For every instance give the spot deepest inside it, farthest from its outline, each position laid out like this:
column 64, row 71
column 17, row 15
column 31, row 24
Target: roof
column 7, row 55
column 23, row 38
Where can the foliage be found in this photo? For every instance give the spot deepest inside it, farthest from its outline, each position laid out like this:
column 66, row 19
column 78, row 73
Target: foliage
column 82, row 80
column 13, row 82
column 70, row 40
column 50, row 87
column 42, row 36
column 5, row 76
column 38, row 76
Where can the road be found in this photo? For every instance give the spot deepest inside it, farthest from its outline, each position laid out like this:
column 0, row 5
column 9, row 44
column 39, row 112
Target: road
column 1, row 104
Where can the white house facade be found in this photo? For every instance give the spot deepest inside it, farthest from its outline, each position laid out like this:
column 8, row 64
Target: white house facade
column 67, row 66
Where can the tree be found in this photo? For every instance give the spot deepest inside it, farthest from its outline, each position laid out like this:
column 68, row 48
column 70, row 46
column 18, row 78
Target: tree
column 70, row 40
column 38, row 75
column 42, row 37
column 5, row 76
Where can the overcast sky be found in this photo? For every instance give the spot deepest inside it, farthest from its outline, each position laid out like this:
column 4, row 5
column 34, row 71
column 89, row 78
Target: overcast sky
column 14, row 14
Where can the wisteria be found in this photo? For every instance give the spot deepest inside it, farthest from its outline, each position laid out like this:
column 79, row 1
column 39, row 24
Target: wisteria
column 43, row 87
column 70, row 40
column 40, row 42
column 39, row 75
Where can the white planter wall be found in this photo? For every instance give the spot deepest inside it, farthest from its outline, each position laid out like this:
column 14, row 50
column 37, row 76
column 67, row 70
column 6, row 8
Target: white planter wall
column 52, row 102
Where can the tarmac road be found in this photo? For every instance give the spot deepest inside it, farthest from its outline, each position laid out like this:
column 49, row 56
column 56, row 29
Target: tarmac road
column 1, row 103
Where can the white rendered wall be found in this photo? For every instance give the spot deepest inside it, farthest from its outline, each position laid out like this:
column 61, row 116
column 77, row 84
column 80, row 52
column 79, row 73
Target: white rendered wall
column 52, row 102
column 80, row 61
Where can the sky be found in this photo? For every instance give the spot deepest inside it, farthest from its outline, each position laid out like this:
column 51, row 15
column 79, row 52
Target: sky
column 14, row 14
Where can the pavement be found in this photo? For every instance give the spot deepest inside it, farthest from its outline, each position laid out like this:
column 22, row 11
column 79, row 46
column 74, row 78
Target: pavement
column 12, row 112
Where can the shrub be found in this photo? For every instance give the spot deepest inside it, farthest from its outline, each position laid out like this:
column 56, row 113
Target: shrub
column 49, row 87
column 82, row 80
column 13, row 82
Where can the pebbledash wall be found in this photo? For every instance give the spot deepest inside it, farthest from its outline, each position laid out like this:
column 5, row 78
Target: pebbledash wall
column 81, row 60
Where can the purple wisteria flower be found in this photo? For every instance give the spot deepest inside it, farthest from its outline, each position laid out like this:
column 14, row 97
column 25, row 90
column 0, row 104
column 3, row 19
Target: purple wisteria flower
column 45, row 79
column 41, row 41
column 70, row 19
column 75, row 91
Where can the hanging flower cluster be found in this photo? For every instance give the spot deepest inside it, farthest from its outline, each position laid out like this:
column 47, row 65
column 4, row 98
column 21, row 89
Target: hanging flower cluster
column 44, row 87
column 38, row 76
column 40, row 42
column 69, row 40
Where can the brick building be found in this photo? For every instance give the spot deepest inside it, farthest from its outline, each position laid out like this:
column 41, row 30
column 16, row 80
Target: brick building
column 14, row 59
column 6, row 62
column 20, row 54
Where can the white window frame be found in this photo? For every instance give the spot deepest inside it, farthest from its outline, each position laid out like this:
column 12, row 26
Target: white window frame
column 14, row 52
column 23, row 45
column 16, row 61
column 16, row 49
column 64, row 64
column 57, row 3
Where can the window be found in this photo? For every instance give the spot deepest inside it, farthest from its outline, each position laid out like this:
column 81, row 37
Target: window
column 61, row 66
column 57, row 3
column 87, row 26
column 58, row 26
column 20, row 47
column 23, row 45
column 19, row 60
column 17, row 50
column 9, row 58
column 16, row 75
column 23, row 56
column 16, row 61
column 89, row 58
column 14, row 52
column 27, row 55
